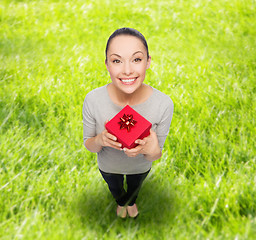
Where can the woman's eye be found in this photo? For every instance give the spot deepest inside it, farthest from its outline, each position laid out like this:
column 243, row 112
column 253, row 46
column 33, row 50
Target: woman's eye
column 137, row 59
column 116, row 61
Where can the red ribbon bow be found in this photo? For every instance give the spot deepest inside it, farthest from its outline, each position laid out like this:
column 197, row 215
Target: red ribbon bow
column 127, row 122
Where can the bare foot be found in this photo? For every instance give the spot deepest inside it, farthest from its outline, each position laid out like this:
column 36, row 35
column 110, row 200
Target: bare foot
column 133, row 211
column 121, row 211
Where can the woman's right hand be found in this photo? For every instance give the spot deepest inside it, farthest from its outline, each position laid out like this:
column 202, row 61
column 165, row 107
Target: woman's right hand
column 105, row 139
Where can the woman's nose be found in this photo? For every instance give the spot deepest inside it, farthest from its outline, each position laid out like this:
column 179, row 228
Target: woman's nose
column 127, row 70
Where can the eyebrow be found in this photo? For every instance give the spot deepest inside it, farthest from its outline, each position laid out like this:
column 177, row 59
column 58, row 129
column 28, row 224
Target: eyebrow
column 138, row 52
column 132, row 54
column 115, row 54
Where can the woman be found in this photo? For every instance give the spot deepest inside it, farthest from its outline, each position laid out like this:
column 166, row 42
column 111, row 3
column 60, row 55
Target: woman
column 127, row 59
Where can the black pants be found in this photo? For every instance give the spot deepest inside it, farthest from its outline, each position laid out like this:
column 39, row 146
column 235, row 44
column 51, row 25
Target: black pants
column 116, row 186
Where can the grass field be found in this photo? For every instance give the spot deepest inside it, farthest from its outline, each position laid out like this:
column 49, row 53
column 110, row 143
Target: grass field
column 203, row 56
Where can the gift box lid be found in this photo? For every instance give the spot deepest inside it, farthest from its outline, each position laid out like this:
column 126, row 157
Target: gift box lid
column 139, row 125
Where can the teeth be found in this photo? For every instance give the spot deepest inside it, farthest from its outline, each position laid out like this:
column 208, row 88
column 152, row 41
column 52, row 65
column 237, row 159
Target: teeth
column 128, row 80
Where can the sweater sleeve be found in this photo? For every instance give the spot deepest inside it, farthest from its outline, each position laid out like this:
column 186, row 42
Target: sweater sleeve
column 163, row 126
column 89, row 121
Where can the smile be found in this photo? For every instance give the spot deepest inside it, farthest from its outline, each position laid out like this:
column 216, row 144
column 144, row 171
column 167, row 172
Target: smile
column 128, row 80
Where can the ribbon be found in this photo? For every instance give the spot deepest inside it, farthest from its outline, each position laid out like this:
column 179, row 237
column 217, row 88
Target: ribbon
column 127, row 122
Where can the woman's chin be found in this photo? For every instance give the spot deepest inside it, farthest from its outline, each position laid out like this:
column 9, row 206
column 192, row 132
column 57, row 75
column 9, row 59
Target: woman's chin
column 129, row 89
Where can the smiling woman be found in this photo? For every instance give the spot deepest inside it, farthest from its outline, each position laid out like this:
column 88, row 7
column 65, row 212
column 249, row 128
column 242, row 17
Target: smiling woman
column 127, row 60
column 127, row 68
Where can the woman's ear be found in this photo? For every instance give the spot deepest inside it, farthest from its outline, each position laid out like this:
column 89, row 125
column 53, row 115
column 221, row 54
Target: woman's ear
column 148, row 62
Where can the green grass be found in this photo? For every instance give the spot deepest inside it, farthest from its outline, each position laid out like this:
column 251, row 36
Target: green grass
column 203, row 57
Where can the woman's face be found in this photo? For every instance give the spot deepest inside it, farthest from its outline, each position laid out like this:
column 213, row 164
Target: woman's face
column 127, row 63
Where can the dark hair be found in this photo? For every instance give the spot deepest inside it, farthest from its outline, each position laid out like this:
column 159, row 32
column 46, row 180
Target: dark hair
column 127, row 31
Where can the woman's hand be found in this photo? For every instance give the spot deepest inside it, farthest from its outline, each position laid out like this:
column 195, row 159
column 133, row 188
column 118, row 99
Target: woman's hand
column 104, row 139
column 149, row 146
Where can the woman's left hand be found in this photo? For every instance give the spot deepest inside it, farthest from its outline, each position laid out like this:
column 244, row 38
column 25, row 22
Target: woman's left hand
column 149, row 146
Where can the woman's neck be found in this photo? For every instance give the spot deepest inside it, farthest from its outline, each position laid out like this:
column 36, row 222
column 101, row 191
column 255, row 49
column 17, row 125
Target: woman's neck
column 123, row 99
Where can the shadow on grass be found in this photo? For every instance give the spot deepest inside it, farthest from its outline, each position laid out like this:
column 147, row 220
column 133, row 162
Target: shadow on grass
column 96, row 208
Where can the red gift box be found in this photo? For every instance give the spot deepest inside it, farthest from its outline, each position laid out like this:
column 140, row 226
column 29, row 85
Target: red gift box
column 128, row 126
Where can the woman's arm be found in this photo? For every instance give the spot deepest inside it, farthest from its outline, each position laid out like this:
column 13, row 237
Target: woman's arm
column 149, row 146
column 152, row 145
column 92, row 144
column 104, row 139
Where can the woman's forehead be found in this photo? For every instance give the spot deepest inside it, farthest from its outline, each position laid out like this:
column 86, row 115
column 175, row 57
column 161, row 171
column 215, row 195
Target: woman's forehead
column 126, row 44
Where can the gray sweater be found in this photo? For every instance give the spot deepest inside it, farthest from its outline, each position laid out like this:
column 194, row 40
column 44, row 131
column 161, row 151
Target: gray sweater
column 98, row 107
